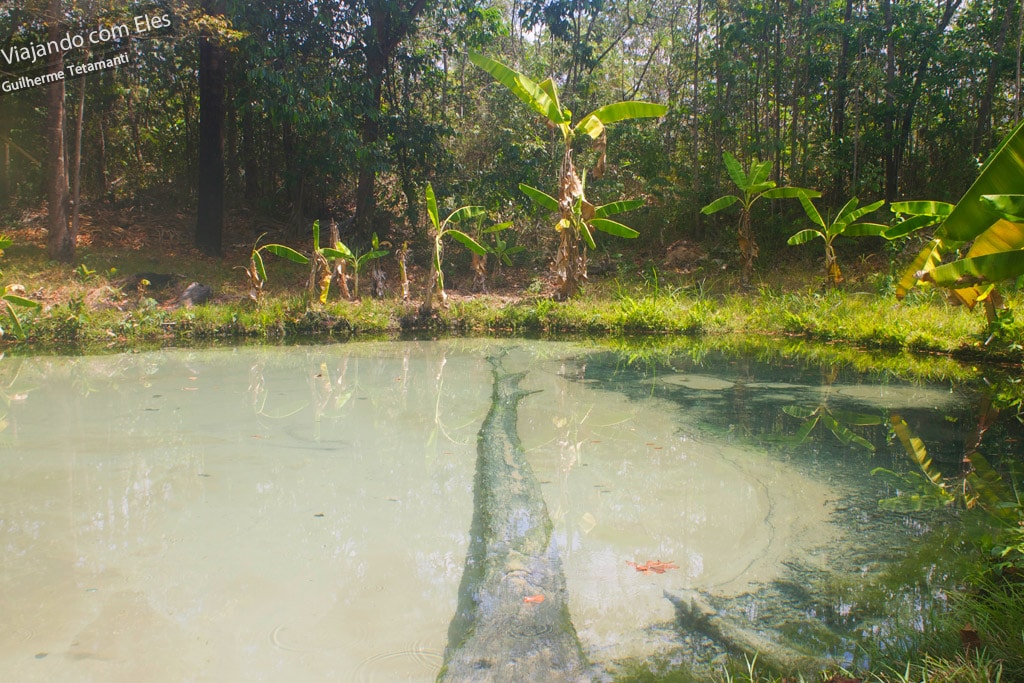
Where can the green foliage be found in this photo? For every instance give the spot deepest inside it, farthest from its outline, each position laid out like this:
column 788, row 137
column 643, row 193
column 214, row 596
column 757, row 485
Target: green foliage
column 256, row 273
column 577, row 217
column 435, row 280
column 845, row 223
column 356, row 259
column 12, row 299
column 988, row 216
column 837, row 422
column 754, row 185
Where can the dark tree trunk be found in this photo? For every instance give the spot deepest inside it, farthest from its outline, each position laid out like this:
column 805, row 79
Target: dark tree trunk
column 388, row 27
column 76, row 164
column 210, row 210
column 250, row 168
column 60, row 240
column 984, row 129
column 842, row 89
column 5, row 165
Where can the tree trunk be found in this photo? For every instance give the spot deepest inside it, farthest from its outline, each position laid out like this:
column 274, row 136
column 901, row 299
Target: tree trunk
column 5, row 168
column 210, row 210
column 984, row 128
column 60, row 240
column 76, row 164
column 842, row 89
column 388, row 27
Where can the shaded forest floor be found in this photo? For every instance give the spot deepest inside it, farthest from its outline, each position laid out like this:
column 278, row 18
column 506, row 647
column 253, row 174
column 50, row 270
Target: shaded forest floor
column 680, row 288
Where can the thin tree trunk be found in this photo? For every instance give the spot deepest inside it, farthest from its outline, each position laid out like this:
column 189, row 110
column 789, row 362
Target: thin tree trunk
column 210, row 210
column 842, row 89
column 695, row 122
column 1020, row 43
column 60, row 241
column 76, row 164
column 984, row 128
column 5, row 170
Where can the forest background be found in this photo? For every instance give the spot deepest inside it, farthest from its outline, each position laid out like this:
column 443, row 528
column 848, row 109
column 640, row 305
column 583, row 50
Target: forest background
column 348, row 109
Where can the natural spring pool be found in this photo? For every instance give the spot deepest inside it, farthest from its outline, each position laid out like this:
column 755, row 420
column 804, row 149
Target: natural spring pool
column 303, row 513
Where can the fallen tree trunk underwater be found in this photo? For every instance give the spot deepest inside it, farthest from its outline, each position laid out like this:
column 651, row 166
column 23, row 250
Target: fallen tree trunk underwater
column 512, row 622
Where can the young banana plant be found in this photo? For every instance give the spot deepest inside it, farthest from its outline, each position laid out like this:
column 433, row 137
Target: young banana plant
column 435, row 281
column 845, row 223
column 577, row 217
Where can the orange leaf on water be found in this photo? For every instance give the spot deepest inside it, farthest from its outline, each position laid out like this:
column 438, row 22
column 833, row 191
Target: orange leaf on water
column 656, row 566
column 534, row 599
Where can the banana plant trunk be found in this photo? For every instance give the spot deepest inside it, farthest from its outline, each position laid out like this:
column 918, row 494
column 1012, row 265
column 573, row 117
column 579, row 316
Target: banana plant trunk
column 571, row 259
column 833, row 275
column 748, row 248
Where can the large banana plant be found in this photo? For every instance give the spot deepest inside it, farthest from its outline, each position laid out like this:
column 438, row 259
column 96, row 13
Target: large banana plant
column 845, row 223
column 577, row 217
column 753, row 185
column 990, row 216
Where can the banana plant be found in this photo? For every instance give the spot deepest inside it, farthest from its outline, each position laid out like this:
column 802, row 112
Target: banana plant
column 577, row 217
column 357, row 260
column 12, row 299
column 753, row 185
column 845, row 223
column 479, row 263
column 435, row 281
column 503, row 252
column 256, row 273
column 990, row 216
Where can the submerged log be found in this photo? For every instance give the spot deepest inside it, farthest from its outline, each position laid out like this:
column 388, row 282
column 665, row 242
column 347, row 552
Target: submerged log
column 695, row 613
column 512, row 622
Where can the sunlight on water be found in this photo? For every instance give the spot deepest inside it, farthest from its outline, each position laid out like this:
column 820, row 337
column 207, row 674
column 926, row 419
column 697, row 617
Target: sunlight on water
column 302, row 514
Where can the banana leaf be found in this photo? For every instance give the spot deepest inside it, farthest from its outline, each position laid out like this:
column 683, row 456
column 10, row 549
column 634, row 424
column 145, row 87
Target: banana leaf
column 613, row 208
column 285, row 252
column 1003, row 173
column 613, row 228
column 540, row 198
column 719, row 204
column 468, row 241
column 522, row 87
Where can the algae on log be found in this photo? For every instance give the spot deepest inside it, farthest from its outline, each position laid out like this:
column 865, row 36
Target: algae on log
column 502, row 630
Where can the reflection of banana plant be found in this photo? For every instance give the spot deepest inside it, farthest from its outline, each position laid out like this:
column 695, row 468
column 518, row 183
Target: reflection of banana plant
column 836, row 421
column 978, row 486
column 924, row 490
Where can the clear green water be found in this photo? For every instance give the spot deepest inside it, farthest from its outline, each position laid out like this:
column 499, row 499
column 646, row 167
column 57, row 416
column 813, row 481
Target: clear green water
column 302, row 513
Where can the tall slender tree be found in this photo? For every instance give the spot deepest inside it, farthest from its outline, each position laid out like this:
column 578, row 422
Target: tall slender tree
column 60, row 238
column 210, row 196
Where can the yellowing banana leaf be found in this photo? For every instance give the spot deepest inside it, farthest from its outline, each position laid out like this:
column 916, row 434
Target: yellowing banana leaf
column 1003, row 173
column 927, row 259
column 916, row 450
